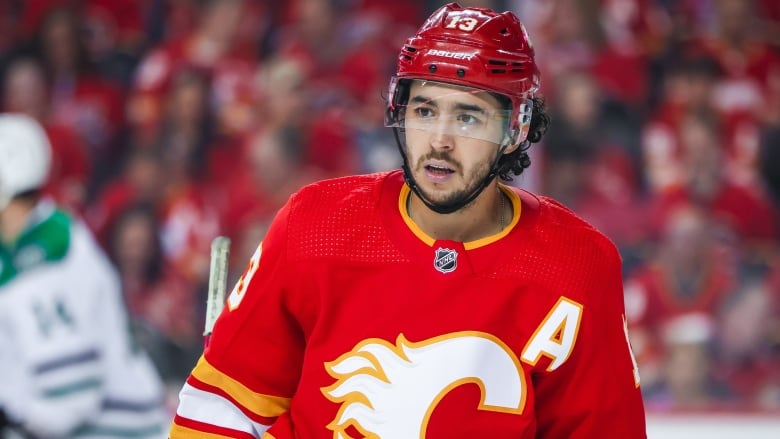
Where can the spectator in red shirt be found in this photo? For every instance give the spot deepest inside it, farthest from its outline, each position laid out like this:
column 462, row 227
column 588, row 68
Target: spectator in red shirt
column 688, row 381
column 155, row 291
column 689, row 272
column 81, row 97
column 687, row 86
column 746, row 352
column 707, row 185
column 747, row 94
column 190, row 206
column 140, row 180
column 223, row 44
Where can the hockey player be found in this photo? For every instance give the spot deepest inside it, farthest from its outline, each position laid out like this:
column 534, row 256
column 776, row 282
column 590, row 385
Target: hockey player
column 68, row 366
column 433, row 301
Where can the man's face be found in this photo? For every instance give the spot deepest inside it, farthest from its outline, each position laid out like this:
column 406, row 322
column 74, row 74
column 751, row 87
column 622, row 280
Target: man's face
column 452, row 138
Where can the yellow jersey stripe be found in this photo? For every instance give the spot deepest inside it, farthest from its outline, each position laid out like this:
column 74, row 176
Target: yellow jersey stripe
column 179, row 432
column 424, row 237
column 267, row 406
column 516, row 207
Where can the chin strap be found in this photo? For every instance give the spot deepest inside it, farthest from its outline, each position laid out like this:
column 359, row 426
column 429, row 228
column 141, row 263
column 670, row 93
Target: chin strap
column 455, row 205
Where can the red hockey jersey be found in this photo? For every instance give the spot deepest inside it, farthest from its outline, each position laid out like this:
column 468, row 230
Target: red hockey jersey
column 351, row 322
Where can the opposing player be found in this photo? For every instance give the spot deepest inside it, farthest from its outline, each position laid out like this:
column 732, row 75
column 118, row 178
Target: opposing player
column 433, row 301
column 68, row 366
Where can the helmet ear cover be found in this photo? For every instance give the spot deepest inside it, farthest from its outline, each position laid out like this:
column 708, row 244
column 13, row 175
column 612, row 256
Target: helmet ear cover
column 523, row 121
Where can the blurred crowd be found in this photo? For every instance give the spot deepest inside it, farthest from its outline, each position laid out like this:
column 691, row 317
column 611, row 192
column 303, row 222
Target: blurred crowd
column 174, row 121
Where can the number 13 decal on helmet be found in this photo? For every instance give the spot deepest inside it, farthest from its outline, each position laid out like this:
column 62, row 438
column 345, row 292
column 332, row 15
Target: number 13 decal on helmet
column 466, row 24
column 474, row 48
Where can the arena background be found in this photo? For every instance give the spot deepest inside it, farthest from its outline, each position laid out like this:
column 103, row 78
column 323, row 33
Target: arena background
column 174, row 121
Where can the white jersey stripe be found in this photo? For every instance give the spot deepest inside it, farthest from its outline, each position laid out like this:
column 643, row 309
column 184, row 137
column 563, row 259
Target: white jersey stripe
column 212, row 409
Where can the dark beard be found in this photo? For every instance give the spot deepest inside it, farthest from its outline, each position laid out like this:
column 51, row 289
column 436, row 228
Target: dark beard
column 473, row 180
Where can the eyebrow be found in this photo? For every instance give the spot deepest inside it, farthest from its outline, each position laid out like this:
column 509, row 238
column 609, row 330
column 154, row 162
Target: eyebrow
column 419, row 99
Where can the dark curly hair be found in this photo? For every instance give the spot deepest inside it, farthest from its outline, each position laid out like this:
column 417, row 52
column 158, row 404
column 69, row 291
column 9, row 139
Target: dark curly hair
column 516, row 161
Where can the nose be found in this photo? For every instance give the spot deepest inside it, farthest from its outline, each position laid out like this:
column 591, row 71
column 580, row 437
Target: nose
column 440, row 140
column 441, row 137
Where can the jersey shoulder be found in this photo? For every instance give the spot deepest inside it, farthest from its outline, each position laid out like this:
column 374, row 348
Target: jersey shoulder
column 568, row 254
column 54, row 238
column 340, row 218
column 564, row 222
column 46, row 241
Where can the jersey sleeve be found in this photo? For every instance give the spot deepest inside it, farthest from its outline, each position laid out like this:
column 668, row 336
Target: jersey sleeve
column 596, row 392
column 250, row 368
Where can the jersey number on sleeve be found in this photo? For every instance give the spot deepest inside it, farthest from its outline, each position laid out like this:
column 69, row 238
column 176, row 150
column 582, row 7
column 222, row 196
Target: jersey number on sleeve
column 237, row 295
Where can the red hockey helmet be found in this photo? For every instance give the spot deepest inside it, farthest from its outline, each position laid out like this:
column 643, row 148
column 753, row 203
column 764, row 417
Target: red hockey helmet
column 471, row 47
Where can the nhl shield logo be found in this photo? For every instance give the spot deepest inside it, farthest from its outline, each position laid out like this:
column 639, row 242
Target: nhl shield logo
column 446, row 260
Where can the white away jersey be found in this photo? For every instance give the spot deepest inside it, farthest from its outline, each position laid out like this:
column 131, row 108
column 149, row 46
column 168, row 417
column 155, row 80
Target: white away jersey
column 68, row 367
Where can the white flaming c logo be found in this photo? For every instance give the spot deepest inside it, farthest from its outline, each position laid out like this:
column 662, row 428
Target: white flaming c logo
column 389, row 391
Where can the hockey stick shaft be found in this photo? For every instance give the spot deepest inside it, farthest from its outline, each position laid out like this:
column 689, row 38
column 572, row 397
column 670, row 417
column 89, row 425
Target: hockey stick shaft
column 218, row 270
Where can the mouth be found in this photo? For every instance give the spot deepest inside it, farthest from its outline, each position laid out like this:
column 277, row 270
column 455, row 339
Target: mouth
column 439, row 170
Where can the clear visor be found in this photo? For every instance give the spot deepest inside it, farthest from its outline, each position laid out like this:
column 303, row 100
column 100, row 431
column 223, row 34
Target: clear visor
column 447, row 109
